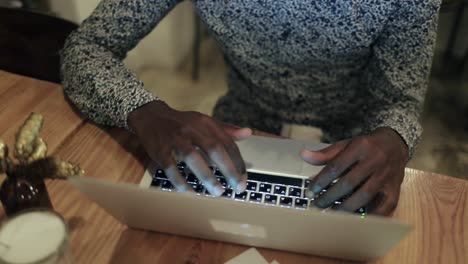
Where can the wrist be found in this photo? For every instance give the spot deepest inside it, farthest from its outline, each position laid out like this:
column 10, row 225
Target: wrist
column 393, row 134
column 138, row 115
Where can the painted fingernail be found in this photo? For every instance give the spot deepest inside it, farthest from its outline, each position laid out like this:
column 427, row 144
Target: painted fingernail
column 218, row 190
column 241, row 186
column 316, row 189
column 312, row 192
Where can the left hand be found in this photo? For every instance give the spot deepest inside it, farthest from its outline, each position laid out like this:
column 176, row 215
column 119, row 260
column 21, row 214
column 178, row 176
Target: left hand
column 375, row 161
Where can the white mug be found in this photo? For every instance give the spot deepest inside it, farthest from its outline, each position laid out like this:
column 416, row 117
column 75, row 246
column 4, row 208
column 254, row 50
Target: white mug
column 36, row 236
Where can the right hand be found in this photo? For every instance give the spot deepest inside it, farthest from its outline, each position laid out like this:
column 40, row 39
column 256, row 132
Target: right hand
column 170, row 136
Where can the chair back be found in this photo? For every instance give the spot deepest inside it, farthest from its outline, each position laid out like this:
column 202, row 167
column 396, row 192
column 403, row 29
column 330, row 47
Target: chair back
column 30, row 43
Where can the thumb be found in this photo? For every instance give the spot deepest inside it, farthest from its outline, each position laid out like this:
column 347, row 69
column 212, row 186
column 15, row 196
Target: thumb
column 236, row 133
column 323, row 156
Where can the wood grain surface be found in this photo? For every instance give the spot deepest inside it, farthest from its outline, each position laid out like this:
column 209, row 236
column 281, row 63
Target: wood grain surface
column 436, row 205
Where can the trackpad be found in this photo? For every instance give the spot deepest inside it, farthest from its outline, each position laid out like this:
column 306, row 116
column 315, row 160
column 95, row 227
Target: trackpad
column 239, row 229
column 272, row 154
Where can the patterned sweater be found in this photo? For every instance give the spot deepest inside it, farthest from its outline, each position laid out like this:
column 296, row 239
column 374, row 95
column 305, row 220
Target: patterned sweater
column 347, row 66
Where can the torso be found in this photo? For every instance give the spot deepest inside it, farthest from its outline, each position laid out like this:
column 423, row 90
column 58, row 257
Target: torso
column 296, row 50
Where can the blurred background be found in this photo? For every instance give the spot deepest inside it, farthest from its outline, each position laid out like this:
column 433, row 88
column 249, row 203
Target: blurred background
column 183, row 65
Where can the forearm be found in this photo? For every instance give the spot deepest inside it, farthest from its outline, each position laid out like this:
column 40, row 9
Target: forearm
column 93, row 74
column 398, row 71
column 99, row 84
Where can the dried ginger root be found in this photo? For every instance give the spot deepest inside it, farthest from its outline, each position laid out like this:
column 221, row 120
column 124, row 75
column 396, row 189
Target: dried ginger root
column 66, row 169
column 52, row 168
column 27, row 141
column 40, row 150
column 31, row 151
column 4, row 160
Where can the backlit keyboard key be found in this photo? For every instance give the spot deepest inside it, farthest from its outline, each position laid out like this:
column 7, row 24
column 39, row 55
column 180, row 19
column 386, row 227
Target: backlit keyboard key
column 279, row 190
column 198, row 188
column 160, row 174
column 241, row 196
column 251, row 186
column 264, row 187
column 191, row 178
column 227, row 193
column 293, row 191
column 222, row 181
column 270, row 199
column 218, row 173
column 155, row 182
column 181, row 168
column 362, row 211
column 255, row 197
column 300, row 203
column 167, row 185
column 286, row 201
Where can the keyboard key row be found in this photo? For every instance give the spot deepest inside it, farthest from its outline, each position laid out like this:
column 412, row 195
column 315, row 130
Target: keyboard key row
column 252, row 185
column 253, row 197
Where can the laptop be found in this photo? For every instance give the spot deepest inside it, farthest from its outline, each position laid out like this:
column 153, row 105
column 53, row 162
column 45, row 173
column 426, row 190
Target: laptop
column 272, row 213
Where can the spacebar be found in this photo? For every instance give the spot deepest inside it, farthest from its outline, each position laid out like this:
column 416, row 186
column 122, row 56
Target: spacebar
column 274, row 179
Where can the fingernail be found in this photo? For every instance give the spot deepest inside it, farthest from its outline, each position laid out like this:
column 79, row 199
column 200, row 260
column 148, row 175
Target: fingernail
column 218, row 190
column 241, row 186
column 316, row 189
column 313, row 191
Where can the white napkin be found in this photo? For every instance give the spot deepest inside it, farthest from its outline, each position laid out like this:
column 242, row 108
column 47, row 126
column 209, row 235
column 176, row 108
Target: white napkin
column 250, row 256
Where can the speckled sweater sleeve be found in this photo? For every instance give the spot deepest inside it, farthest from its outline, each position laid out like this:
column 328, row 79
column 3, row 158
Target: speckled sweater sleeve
column 398, row 72
column 93, row 74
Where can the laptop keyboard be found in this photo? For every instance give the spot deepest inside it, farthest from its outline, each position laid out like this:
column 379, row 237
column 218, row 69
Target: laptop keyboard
column 261, row 189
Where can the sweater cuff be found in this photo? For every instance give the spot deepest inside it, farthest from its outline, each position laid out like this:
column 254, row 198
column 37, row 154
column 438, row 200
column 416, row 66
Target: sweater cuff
column 405, row 125
column 137, row 98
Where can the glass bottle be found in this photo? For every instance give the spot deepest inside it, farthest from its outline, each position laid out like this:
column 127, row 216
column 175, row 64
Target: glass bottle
column 22, row 191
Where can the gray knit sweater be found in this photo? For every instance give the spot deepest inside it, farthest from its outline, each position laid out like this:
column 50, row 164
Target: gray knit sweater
column 347, row 66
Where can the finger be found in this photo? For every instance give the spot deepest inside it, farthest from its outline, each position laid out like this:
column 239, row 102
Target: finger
column 321, row 157
column 218, row 154
column 235, row 132
column 363, row 196
column 346, row 184
column 334, row 169
column 173, row 174
column 388, row 203
column 231, row 148
column 164, row 159
column 198, row 166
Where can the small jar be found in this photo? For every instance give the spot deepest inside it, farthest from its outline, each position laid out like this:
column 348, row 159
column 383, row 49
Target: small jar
column 19, row 192
column 36, row 236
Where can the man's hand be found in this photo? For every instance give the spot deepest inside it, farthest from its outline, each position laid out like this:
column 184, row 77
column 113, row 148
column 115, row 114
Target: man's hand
column 170, row 136
column 371, row 166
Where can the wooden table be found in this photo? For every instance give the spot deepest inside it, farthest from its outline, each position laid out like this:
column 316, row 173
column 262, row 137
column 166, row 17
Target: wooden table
column 436, row 205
